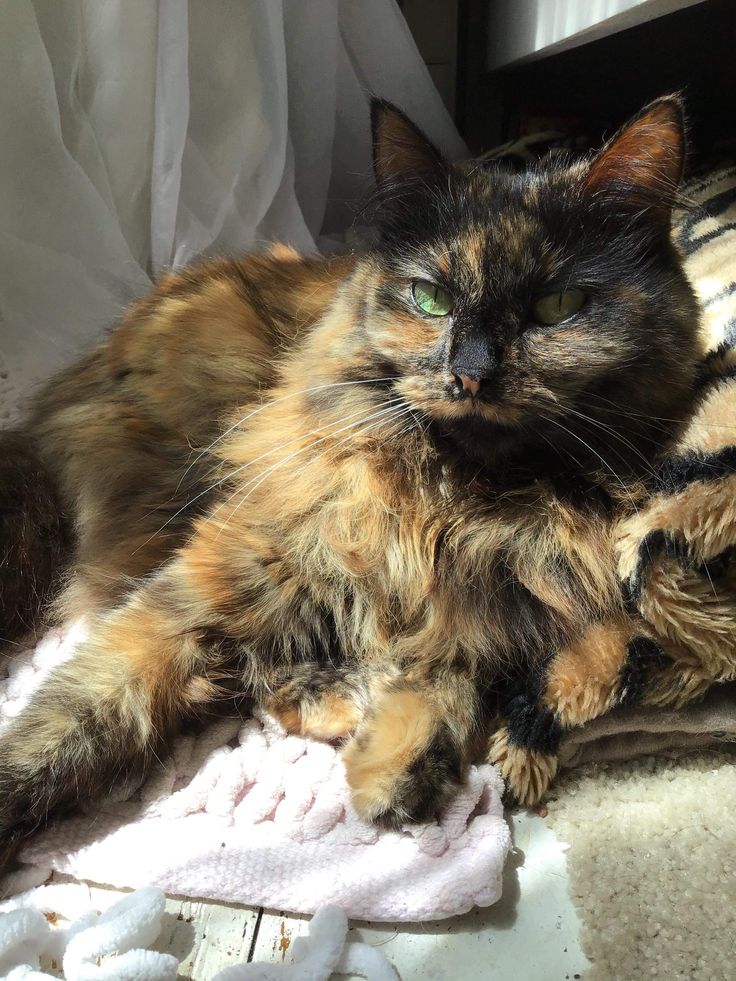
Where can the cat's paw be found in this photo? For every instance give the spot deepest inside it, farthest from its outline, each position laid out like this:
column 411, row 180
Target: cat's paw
column 402, row 765
column 682, row 680
column 320, row 706
column 527, row 773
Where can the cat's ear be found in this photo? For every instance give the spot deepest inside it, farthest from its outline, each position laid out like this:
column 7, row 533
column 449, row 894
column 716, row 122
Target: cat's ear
column 402, row 154
column 641, row 166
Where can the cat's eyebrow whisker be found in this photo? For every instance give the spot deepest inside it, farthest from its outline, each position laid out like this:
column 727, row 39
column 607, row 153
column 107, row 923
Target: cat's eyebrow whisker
column 268, row 405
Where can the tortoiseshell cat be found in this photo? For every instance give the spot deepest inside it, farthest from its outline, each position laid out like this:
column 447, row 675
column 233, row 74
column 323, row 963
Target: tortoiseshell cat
column 408, row 507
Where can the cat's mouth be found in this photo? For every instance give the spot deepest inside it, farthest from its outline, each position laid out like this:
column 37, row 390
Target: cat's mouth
column 451, row 404
column 479, row 408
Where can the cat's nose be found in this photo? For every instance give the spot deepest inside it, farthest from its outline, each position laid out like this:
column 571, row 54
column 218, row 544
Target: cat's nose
column 468, row 384
column 474, row 363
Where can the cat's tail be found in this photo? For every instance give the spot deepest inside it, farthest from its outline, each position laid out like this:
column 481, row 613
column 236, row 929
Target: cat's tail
column 34, row 536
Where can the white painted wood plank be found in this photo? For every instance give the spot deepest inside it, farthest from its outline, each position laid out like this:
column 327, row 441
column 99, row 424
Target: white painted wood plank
column 206, row 936
column 524, row 30
column 276, row 933
column 203, row 935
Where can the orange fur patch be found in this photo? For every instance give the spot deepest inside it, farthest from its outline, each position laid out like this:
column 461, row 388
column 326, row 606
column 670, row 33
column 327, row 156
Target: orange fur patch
column 331, row 717
column 378, row 758
column 583, row 678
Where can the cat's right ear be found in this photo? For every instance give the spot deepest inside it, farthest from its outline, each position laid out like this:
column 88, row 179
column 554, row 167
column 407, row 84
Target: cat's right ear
column 641, row 167
column 402, row 154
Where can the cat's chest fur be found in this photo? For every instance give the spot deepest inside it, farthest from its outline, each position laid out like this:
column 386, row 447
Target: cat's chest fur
column 390, row 566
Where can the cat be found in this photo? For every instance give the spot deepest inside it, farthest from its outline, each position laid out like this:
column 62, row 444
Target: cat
column 371, row 493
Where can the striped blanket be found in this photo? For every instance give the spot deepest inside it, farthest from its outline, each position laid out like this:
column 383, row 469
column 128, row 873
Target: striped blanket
column 706, row 233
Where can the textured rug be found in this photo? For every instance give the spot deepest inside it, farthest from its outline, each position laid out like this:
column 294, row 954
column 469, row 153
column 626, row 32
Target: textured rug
column 652, row 866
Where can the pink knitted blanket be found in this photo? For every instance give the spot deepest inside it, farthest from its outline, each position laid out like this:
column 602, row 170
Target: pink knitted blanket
column 245, row 813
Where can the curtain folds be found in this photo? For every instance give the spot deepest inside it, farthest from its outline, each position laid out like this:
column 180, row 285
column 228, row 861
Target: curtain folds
column 138, row 134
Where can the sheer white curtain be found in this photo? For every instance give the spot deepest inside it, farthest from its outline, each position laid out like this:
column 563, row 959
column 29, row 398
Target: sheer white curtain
column 136, row 134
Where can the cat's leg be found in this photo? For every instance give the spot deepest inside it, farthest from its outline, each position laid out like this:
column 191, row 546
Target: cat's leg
column 410, row 750
column 677, row 555
column 612, row 663
column 105, row 712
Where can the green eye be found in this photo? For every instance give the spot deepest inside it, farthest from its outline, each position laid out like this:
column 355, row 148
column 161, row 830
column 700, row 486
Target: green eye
column 431, row 298
column 556, row 307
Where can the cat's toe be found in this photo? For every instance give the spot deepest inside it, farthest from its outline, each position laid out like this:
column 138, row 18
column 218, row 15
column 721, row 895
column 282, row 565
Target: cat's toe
column 527, row 773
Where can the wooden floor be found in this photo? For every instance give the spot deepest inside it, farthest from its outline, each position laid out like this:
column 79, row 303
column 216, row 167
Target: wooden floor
column 530, row 935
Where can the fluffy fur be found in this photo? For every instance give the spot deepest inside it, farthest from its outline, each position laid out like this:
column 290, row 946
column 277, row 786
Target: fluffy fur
column 283, row 490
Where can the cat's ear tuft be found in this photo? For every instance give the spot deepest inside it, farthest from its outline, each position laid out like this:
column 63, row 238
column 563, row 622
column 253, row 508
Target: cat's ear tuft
column 644, row 161
column 401, row 152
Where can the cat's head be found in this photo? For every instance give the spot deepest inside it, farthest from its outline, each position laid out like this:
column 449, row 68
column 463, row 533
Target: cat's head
column 541, row 309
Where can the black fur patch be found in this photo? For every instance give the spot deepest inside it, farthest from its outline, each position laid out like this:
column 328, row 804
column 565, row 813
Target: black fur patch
column 708, row 373
column 654, row 546
column 677, row 474
column 644, row 656
column 532, row 725
column 719, row 565
column 431, row 781
column 35, row 536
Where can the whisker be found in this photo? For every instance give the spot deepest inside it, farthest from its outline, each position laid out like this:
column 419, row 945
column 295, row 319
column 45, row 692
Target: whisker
column 228, row 476
column 256, row 482
column 638, row 415
column 279, row 463
column 605, row 463
column 270, row 404
column 612, row 432
column 400, row 411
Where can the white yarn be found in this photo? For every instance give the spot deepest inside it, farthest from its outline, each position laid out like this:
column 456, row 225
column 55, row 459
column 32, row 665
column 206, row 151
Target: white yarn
column 109, row 947
column 112, row 946
column 322, row 953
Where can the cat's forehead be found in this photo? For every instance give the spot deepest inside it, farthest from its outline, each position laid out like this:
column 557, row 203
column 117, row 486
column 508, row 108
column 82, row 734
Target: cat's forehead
column 499, row 225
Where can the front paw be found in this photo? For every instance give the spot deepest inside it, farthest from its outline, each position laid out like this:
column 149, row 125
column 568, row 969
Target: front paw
column 402, row 765
column 527, row 773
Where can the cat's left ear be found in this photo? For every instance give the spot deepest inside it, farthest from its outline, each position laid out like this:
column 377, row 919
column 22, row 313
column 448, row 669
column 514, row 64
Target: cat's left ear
column 402, row 154
column 641, row 167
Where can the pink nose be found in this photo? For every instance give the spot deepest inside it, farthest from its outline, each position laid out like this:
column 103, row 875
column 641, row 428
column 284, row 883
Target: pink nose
column 469, row 384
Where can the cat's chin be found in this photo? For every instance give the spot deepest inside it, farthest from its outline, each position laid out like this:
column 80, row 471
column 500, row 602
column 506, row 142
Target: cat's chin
column 482, row 438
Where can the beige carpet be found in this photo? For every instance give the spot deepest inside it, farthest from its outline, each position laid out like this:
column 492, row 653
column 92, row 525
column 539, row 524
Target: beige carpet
column 652, row 866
